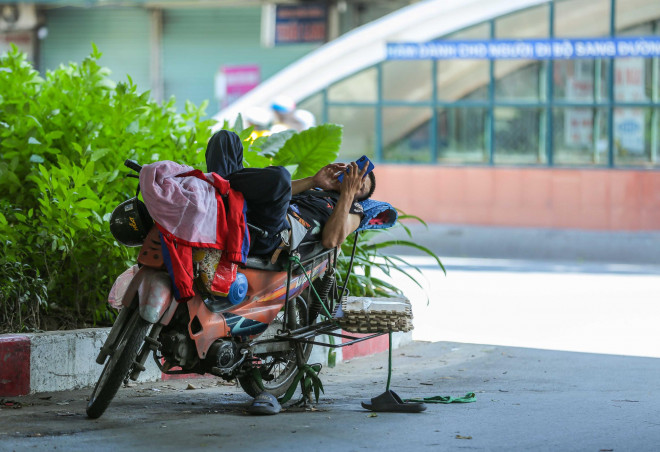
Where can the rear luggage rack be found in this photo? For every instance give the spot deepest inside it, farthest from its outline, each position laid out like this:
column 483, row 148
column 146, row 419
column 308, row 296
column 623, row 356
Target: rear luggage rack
column 306, row 335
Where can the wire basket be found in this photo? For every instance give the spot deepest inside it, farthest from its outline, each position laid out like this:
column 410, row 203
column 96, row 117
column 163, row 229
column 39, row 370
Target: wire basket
column 375, row 315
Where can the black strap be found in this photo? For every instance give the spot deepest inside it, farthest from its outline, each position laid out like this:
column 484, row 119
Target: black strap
column 322, row 194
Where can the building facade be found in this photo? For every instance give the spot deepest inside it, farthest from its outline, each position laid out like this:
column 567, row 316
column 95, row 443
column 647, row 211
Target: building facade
column 559, row 143
column 554, row 142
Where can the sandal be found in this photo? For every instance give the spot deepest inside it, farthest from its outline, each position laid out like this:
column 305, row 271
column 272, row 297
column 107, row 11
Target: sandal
column 265, row 403
column 389, row 401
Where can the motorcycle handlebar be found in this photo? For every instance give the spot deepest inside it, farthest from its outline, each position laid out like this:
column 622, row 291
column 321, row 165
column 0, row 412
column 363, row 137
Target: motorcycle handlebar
column 258, row 231
column 132, row 164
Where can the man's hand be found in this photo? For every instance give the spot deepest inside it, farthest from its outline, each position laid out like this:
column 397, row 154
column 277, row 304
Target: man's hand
column 353, row 180
column 341, row 221
column 326, row 177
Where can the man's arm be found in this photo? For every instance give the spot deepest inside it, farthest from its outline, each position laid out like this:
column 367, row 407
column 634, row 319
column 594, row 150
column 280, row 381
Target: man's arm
column 301, row 185
column 325, row 178
column 341, row 221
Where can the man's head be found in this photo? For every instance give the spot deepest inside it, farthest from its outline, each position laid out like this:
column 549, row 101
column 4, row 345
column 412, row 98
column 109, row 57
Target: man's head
column 368, row 187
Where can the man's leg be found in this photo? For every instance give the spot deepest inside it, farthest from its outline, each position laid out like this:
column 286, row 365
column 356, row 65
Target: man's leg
column 224, row 153
column 267, row 192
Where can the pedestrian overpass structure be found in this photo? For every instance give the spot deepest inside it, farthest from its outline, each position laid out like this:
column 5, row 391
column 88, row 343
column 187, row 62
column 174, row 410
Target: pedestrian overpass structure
column 529, row 114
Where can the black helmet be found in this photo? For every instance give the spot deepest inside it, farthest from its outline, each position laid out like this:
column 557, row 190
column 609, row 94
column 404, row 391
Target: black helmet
column 130, row 222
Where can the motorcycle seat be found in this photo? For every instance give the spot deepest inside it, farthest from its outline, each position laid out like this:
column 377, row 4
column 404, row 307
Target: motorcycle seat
column 306, row 250
column 377, row 215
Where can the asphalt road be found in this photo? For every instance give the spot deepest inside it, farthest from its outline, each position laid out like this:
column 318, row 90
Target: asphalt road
column 569, row 366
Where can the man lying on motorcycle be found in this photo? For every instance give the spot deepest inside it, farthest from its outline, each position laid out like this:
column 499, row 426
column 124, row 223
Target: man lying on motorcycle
column 280, row 206
column 274, row 201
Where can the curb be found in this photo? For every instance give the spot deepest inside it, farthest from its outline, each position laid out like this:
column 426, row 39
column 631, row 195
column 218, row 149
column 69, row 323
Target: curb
column 65, row 360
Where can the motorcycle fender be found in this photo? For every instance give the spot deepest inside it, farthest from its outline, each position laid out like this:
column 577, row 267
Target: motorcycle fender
column 210, row 327
column 124, row 315
column 155, row 291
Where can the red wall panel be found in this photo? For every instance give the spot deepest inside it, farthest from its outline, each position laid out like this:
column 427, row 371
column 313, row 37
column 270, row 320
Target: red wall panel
column 525, row 197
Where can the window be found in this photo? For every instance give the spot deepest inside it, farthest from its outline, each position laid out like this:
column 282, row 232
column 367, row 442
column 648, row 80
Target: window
column 314, row 105
column 582, row 18
column 358, row 135
column 580, row 80
column 462, row 135
column 361, row 87
column 407, row 80
column 518, row 80
column 529, row 23
column 592, row 100
column 461, row 79
column 633, row 79
column 518, row 138
column 630, row 13
column 635, row 138
column 573, row 136
column 407, row 134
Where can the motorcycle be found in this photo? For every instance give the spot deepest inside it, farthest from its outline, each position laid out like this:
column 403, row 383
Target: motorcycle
column 260, row 334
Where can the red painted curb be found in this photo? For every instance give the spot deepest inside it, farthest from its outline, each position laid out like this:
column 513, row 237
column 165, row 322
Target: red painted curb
column 365, row 348
column 14, row 365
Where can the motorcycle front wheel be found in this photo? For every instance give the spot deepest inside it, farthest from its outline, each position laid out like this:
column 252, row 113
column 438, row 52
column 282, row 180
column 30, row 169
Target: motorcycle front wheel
column 279, row 368
column 119, row 365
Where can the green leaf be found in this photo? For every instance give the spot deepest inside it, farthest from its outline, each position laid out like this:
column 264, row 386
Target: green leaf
column 310, row 149
column 404, row 216
column 256, row 144
column 36, row 121
column 256, row 376
column 95, row 52
column 292, row 388
column 87, row 204
column 245, row 133
column 273, row 143
column 43, row 171
column 133, row 127
column 409, row 244
column 54, row 135
column 99, row 154
column 238, row 124
column 255, row 160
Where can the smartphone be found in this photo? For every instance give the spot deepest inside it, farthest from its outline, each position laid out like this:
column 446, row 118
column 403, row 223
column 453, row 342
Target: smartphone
column 361, row 162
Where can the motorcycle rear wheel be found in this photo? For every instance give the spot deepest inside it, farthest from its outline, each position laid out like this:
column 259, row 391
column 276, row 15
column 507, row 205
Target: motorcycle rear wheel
column 283, row 365
column 118, row 365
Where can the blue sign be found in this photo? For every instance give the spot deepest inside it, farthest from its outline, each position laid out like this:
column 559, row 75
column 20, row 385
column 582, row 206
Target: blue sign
column 528, row 49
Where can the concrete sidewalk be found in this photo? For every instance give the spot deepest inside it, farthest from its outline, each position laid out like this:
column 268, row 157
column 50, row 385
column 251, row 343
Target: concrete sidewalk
column 526, row 400
column 567, row 245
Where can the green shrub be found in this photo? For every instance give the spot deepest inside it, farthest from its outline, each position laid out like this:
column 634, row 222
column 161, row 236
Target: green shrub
column 22, row 293
column 63, row 140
